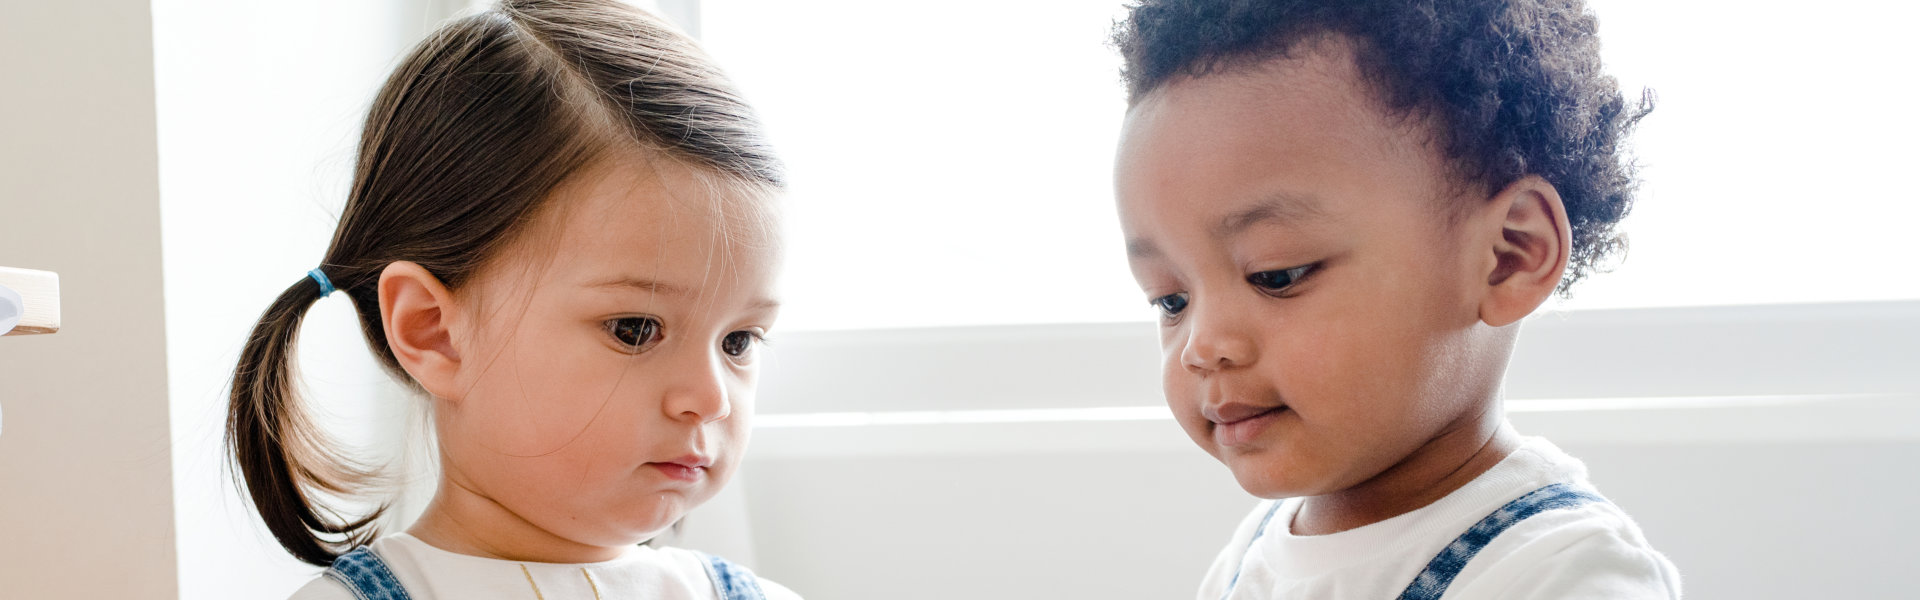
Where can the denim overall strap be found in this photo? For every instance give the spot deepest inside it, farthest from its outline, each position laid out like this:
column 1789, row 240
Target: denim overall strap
column 1257, row 531
column 734, row 582
column 1433, row 582
column 367, row 576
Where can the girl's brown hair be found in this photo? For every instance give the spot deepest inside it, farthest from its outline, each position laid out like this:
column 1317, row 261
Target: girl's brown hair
column 464, row 142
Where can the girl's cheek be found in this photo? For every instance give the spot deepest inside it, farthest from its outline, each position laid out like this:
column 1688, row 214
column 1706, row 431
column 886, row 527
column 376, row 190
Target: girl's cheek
column 530, row 408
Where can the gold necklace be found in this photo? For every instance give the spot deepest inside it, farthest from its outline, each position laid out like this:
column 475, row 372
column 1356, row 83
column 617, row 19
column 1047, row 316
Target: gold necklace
column 536, row 587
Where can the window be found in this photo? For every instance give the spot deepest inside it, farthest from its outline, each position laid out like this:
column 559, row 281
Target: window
column 952, row 161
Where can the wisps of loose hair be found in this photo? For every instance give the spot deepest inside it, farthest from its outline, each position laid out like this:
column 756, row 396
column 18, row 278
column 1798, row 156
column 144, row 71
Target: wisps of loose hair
column 464, row 143
column 1510, row 87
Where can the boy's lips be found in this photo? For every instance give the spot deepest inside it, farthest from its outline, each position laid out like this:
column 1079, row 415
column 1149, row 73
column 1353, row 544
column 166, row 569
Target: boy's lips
column 1236, row 424
column 1232, row 412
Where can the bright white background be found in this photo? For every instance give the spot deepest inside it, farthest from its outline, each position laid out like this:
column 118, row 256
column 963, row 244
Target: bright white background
column 952, row 161
column 951, row 170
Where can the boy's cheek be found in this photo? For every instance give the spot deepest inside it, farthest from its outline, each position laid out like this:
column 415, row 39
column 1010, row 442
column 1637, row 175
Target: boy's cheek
column 1183, row 399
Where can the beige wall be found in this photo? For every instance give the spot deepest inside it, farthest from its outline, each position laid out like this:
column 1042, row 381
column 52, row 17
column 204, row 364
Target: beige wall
column 86, row 509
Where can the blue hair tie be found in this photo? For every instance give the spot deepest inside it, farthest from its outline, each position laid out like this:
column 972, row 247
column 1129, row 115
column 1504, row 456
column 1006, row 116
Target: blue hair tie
column 326, row 287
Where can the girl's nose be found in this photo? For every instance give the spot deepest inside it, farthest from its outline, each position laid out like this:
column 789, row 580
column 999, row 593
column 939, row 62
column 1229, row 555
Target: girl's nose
column 699, row 393
column 1215, row 341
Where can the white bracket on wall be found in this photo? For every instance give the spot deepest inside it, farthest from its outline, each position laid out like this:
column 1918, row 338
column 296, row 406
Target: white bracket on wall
column 29, row 301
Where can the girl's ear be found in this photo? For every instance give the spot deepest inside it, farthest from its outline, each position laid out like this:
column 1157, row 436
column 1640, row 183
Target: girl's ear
column 421, row 320
column 1530, row 251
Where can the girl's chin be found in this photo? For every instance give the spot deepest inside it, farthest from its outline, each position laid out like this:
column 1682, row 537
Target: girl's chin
column 626, row 536
column 653, row 525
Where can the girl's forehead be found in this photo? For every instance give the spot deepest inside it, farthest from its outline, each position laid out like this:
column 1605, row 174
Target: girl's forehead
column 662, row 221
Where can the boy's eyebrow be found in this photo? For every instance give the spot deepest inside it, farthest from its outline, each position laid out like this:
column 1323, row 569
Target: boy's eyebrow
column 1281, row 207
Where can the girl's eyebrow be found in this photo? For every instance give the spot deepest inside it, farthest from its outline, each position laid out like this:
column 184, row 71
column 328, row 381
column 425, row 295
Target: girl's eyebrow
column 661, row 287
column 1139, row 248
column 657, row 287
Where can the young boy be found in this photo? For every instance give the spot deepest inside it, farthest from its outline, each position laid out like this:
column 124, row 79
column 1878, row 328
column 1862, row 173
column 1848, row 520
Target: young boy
column 1343, row 209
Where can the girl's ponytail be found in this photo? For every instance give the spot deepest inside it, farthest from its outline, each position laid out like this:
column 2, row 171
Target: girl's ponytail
column 280, row 452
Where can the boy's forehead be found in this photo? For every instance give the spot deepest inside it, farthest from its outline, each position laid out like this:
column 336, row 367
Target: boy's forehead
column 1275, row 140
column 1316, row 93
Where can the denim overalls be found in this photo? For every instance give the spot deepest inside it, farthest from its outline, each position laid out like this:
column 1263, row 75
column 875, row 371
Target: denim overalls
column 369, row 578
column 1433, row 581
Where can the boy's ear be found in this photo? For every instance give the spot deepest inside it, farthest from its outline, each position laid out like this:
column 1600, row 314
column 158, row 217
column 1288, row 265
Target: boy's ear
column 1530, row 253
column 421, row 320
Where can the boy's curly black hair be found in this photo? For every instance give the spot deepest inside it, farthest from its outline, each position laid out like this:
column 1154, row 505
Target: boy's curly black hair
column 1510, row 87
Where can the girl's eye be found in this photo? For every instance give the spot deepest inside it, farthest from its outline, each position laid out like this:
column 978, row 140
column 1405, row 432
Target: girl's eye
column 637, row 334
column 1275, row 281
column 1170, row 305
column 739, row 343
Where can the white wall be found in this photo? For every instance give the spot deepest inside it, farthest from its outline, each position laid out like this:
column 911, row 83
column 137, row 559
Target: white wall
column 1771, row 519
column 1765, row 450
column 85, row 502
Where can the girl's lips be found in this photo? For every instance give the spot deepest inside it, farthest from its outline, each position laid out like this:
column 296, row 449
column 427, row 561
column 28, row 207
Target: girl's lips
column 1240, row 431
column 691, row 467
column 680, row 472
column 697, row 461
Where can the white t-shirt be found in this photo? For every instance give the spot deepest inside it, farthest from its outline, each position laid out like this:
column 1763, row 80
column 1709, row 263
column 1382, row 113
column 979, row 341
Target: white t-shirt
column 1590, row 551
column 429, row 573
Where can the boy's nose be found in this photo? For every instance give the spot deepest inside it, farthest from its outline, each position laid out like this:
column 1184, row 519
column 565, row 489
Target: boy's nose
column 699, row 394
column 1215, row 342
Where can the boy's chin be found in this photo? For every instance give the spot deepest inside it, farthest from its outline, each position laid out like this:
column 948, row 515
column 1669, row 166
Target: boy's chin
column 1266, row 478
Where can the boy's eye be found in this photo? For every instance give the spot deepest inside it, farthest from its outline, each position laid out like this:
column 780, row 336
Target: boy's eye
column 637, row 334
column 1170, row 305
column 1274, row 281
column 738, row 343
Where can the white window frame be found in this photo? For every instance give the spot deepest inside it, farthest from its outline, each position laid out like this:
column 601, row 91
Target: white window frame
column 1803, row 372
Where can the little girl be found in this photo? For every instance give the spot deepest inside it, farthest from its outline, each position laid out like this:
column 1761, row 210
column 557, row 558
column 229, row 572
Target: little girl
column 560, row 232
